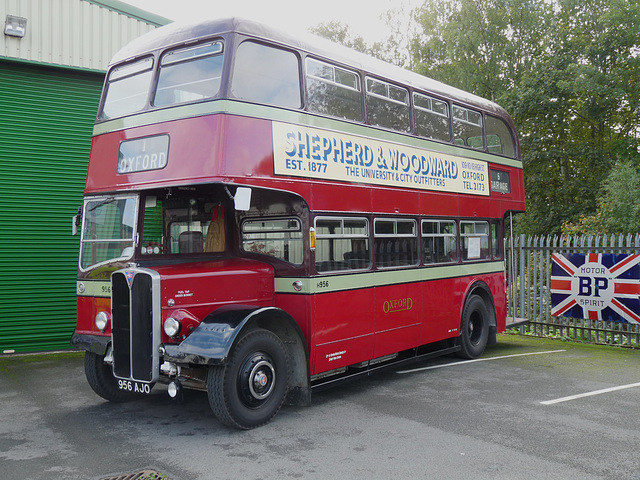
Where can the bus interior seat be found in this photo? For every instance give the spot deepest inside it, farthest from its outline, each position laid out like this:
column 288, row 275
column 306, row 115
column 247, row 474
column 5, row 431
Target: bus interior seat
column 394, row 252
column 357, row 259
column 191, row 242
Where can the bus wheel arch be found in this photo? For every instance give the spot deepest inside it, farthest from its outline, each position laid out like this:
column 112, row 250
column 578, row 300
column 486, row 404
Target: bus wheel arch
column 287, row 329
column 478, row 322
column 250, row 387
column 260, row 344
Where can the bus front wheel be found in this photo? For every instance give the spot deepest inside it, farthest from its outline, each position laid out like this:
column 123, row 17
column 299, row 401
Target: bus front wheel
column 251, row 387
column 474, row 328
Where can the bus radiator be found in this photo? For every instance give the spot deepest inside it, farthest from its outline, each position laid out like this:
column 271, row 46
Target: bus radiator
column 135, row 339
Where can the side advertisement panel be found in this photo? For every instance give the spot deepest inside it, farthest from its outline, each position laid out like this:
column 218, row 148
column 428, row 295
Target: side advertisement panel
column 309, row 152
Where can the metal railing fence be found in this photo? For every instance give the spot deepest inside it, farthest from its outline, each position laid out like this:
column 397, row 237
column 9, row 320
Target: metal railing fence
column 528, row 274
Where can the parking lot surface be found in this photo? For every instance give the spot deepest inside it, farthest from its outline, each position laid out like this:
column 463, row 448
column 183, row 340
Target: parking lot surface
column 529, row 409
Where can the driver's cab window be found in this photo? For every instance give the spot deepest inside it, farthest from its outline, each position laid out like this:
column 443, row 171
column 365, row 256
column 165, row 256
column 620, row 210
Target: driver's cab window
column 182, row 225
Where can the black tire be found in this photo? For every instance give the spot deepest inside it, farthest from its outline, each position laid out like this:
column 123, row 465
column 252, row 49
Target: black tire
column 474, row 328
column 101, row 379
column 251, row 387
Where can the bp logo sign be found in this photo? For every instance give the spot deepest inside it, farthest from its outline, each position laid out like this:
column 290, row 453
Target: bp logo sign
column 596, row 286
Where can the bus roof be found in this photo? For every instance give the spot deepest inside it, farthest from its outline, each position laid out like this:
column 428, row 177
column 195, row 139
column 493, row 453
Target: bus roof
column 178, row 33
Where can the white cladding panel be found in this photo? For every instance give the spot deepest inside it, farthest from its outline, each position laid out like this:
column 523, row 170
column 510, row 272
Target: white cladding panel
column 72, row 33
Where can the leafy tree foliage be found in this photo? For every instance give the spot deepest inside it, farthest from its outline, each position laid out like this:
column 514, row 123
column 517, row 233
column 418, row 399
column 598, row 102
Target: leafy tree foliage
column 482, row 46
column 578, row 110
column 340, row 33
column 618, row 206
column 568, row 71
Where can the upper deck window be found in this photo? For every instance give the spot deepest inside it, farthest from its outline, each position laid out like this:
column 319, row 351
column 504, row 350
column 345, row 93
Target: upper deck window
column 127, row 88
column 499, row 138
column 333, row 90
column 266, row 74
column 189, row 74
column 431, row 117
column 467, row 127
column 388, row 105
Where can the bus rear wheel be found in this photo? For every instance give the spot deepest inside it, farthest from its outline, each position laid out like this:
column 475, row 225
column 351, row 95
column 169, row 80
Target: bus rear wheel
column 474, row 328
column 101, row 380
column 251, row 387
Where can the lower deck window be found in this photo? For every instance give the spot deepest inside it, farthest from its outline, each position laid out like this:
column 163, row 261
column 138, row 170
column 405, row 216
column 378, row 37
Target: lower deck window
column 439, row 241
column 342, row 244
column 496, row 240
column 280, row 238
column 475, row 240
column 396, row 243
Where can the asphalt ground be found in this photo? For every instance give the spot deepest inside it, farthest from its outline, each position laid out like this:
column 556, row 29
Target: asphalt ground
column 439, row 419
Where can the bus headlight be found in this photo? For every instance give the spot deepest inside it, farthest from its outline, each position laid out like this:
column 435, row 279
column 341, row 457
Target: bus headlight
column 172, row 327
column 102, row 320
column 174, row 389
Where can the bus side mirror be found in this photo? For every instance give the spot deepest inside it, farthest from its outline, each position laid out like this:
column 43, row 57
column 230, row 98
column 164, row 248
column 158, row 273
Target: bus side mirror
column 242, row 198
column 76, row 222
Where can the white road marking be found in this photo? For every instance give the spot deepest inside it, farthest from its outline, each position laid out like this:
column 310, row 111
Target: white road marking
column 589, row 394
column 479, row 360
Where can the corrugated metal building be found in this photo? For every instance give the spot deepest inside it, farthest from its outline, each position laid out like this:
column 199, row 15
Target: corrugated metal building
column 53, row 56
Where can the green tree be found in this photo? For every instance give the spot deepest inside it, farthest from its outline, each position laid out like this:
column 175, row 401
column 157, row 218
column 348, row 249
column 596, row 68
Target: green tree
column 618, row 206
column 482, row 46
column 568, row 72
column 578, row 109
column 393, row 49
column 342, row 34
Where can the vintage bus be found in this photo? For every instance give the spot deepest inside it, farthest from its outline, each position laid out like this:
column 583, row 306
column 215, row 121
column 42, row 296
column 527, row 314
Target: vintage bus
column 267, row 214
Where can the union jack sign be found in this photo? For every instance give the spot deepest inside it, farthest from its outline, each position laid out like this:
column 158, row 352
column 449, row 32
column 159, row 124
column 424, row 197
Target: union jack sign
column 596, row 286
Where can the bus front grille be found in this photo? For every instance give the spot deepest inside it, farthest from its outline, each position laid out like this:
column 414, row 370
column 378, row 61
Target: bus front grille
column 135, row 325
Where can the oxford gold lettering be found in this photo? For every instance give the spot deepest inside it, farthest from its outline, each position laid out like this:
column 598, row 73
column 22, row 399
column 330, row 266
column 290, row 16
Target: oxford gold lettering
column 397, row 305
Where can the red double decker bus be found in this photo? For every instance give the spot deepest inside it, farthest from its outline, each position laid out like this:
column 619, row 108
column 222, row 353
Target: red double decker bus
column 265, row 215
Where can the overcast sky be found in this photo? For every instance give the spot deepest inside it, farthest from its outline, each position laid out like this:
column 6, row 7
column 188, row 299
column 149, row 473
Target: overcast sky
column 363, row 16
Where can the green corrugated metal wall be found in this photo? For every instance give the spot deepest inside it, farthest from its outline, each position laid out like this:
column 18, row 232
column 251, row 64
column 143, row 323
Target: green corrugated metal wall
column 46, row 120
